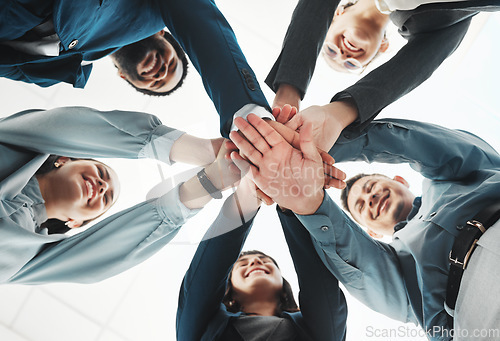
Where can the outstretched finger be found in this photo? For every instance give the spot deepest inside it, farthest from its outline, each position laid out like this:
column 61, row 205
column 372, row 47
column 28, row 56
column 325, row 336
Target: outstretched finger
column 333, row 171
column 252, row 135
column 332, row 182
column 286, row 113
column 271, row 136
column 246, row 148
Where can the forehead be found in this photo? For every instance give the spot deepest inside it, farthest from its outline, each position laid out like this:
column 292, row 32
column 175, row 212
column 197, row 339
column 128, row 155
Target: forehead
column 247, row 257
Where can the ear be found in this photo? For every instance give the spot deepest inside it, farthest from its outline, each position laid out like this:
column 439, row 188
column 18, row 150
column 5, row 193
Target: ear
column 73, row 223
column 340, row 10
column 384, row 45
column 160, row 33
column 373, row 234
column 121, row 74
column 401, row 180
column 61, row 161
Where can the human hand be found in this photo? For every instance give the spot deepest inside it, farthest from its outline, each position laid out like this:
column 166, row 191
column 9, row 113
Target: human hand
column 328, row 121
column 222, row 172
column 292, row 178
column 286, row 94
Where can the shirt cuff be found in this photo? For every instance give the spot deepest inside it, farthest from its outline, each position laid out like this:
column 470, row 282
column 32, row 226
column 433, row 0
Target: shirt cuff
column 172, row 210
column 251, row 109
column 160, row 144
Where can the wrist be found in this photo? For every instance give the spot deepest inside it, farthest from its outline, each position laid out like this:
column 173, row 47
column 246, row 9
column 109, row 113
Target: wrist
column 341, row 113
column 311, row 205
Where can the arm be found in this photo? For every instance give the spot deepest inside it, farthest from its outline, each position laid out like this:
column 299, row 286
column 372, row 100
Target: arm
column 410, row 67
column 301, row 46
column 436, row 152
column 322, row 303
column 204, row 284
column 85, row 132
column 109, row 247
column 208, row 39
column 369, row 269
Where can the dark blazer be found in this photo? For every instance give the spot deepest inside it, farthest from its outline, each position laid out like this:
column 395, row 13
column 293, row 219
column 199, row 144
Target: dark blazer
column 202, row 316
column 100, row 27
column 433, row 32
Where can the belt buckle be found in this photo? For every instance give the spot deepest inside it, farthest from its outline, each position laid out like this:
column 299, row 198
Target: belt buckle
column 477, row 224
column 469, row 253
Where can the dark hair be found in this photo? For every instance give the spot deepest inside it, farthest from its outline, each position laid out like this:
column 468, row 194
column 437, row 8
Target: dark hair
column 287, row 301
column 349, row 183
column 56, row 226
column 180, row 53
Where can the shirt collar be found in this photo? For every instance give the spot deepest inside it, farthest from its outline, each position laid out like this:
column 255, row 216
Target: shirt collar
column 416, row 206
column 32, row 190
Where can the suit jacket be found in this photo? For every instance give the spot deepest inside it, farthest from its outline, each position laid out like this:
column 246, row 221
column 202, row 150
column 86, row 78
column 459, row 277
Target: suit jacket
column 100, row 27
column 433, row 32
column 202, row 316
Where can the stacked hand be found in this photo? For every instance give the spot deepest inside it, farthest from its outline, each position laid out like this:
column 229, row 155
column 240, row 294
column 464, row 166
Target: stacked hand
column 293, row 178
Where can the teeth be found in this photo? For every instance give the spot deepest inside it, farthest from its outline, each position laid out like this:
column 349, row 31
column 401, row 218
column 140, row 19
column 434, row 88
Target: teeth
column 256, row 271
column 151, row 65
column 90, row 189
column 350, row 46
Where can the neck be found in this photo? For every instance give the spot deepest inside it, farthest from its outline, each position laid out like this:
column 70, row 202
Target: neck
column 44, row 184
column 368, row 10
column 260, row 308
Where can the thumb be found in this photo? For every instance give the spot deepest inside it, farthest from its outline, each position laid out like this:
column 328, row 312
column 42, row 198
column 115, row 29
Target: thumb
column 307, row 145
column 295, row 122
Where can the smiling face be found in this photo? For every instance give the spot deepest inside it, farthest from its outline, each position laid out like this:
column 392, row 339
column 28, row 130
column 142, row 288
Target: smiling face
column 79, row 190
column 256, row 275
column 354, row 37
column 379, row 203
column 155, row 64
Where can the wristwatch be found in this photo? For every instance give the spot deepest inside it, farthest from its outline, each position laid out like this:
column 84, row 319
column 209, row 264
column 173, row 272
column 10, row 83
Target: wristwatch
column 208, row 185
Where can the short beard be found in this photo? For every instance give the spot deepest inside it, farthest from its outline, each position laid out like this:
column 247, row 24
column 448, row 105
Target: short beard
column 129, row 56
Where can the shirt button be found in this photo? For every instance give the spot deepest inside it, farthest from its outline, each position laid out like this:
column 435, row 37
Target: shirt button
column 420, row 217
column 432, row 214
column 389, row 125
column 73, row 43
column 324, row 228
column 460, row 227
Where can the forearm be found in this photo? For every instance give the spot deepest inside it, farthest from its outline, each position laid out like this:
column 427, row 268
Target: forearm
column 322, row 302
column 194, row 150
column 203, row 286
column 87, row 133
column 369, row 269
column 302, row 44
column 215, row 53
column 410, row 67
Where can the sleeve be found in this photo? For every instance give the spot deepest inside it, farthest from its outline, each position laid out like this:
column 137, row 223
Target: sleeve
column 84, row 133
column 204, row 284
column 211, row 45
column 322, row 303
column 111, row 246
column 302, row 44
column 436, row 152
column 410, row 67
column 368, row 269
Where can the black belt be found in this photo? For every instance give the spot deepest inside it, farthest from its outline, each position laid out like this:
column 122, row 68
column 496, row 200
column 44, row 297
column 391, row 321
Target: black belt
column 464, row 246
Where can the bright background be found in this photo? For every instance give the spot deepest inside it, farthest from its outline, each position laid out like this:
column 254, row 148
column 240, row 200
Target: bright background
column 140, row 304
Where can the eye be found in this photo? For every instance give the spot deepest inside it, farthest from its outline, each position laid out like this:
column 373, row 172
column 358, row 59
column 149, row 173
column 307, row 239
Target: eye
column 100, row 172
column 371, row 187
column 350, row 65
column 331, row 52
column 105, row 199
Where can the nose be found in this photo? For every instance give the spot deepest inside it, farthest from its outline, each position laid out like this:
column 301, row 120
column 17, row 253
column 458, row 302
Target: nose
column 256, row 260
column 162, row 73
column 102, row 186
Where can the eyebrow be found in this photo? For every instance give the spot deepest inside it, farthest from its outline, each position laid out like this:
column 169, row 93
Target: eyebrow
column 244, row 258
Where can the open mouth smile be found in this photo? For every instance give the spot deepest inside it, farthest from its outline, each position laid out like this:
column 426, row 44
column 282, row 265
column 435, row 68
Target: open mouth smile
column 152, row 64
column 382, row 204
column 257, row 271
column 349, row 46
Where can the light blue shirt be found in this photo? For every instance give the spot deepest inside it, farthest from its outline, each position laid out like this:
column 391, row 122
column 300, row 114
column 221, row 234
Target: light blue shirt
column 406, row 279
column 27, row 254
